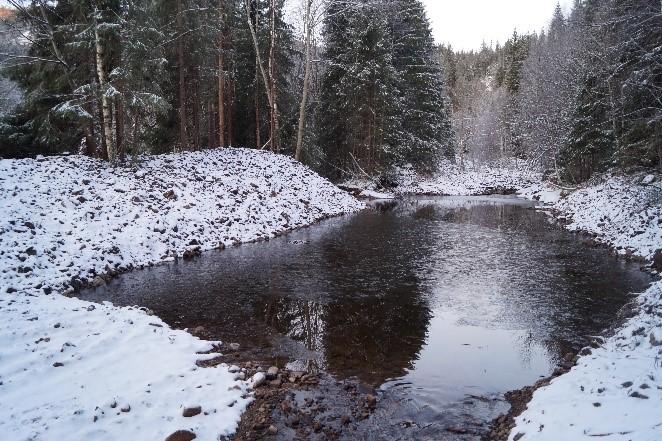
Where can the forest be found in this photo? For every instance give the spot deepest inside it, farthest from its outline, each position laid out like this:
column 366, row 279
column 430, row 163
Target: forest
column 319, row 220
column 359, row 87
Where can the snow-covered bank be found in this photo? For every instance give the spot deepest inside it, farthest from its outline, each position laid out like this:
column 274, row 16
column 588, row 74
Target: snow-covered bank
column 73, row 370
column 624, row 212
column 472, row 180
column 67, row 219
column 78, row 371
column 615, row 391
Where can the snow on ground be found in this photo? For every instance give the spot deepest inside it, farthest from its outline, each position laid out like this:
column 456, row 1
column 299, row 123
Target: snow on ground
column 615, row 392
column 70, row 372
column 65, row 219
column 473, row 180
column 73, row 370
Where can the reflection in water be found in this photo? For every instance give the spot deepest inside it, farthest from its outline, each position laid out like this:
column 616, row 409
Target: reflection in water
column 432, row 300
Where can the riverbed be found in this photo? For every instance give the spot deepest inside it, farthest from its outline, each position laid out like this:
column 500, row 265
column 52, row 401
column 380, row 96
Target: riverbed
column 437, row 304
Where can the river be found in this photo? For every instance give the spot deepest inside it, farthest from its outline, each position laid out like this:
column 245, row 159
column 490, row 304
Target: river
column 439, row 304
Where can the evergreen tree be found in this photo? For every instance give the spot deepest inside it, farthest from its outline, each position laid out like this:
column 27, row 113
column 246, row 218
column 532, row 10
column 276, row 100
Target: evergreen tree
column 426, row 119
column 359, row 91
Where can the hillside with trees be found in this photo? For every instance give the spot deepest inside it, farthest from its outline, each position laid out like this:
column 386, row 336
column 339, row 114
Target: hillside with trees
column 359, row 87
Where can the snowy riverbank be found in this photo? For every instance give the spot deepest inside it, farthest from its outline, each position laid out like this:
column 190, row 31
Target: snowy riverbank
column 615, row 391
column 74, row 370
column 451, row 180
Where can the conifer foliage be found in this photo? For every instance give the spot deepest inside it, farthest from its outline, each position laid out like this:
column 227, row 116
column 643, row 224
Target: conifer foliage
column 382, row 91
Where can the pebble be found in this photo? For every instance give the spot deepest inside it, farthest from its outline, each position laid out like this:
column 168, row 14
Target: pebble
column 191, row 411
column 181, row 435
column 272, row 373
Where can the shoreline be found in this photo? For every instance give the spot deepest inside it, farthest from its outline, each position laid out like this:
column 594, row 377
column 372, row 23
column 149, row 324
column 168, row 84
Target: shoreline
column 187, row 249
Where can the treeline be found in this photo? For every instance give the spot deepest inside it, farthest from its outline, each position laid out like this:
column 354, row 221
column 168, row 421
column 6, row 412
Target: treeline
column 111, row 78
column 582, row 96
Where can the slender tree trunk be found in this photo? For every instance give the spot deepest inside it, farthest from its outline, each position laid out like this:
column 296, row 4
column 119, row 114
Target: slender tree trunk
column 196, row 114
column 119, row 128
column 230, row 113
column 308, row 22
column 221, row 75
column 183, row 138
column 273, row 116
column 106, row 104
column 252, row 27
column 210, row 123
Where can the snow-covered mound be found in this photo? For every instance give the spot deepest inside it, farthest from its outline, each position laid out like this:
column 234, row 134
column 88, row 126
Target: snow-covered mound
column 473, row 180
column 67, row 219
column 615, row 392
column 74, row 370
column 623, row 212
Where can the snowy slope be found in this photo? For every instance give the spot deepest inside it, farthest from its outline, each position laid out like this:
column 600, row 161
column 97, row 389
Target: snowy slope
column 74, row 217
column 68, row 368
column 615, row 392
column 474, row 179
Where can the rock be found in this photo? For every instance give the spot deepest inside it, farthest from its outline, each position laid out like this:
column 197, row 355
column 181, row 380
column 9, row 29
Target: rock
column 636, row 394
column 234, row 346
column 126, row 408
column 170, row 194
column 648, row 179
column 191, row 252
column 97, row 281
column 286, row 407
column 198, row 330
column 344, row 420
column 234, row 369
column 258, row 380
column 58, row 364
column 371, row 400
column 317, row 426
column 191, row 411
column 181, row 435
column 656, row 337
column 627, row 384
column 657, row 260
column 272, row 430
column 272, row 373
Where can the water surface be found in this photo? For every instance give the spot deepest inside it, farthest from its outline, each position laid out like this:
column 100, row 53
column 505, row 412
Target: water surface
column 440, row 303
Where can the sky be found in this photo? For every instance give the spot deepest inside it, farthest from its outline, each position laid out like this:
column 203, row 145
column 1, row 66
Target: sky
column 465, row 24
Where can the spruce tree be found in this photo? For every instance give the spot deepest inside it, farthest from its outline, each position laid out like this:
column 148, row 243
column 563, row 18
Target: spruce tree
column 426, row 124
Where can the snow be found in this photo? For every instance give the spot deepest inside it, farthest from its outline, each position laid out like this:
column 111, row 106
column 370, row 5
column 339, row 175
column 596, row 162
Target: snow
column 452, row 180
column 472, row 180
column 112, row 359
column 72, row 217
column 624, row 212
column 615, row 392
column 372, row 194
column 68, row 367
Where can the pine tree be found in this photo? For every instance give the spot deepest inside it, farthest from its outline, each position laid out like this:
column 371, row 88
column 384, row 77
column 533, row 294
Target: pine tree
column 425, row 123
column 362, row 125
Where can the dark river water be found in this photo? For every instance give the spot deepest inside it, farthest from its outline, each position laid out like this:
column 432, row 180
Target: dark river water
column 441, row 304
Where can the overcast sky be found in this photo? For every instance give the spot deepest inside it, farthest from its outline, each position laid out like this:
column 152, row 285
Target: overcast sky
column 465, row 24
